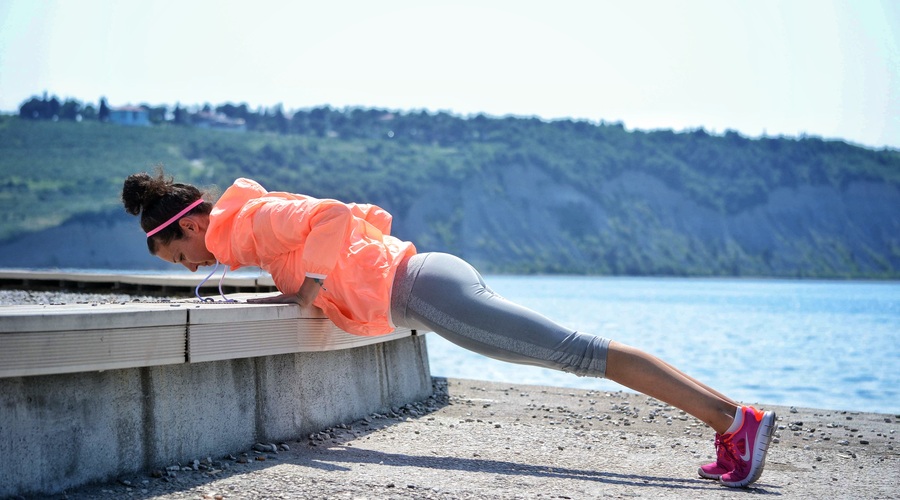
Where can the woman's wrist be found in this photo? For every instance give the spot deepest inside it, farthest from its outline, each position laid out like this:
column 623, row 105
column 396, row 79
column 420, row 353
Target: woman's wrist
column 309, row 290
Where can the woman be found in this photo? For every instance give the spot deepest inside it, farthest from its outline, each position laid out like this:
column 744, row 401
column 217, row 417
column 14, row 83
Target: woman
column 342, row 259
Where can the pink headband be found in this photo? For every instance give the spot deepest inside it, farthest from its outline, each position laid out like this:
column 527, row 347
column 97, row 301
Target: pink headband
column 175, row 218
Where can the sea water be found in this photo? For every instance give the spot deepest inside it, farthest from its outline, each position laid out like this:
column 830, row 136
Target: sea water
column 816, row 344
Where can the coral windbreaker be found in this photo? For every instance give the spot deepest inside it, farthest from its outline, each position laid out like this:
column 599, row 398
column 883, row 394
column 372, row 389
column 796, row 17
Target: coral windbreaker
column 293, row 236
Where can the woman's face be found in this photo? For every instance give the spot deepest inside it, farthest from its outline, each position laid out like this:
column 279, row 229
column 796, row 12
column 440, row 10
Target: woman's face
column 189, row 251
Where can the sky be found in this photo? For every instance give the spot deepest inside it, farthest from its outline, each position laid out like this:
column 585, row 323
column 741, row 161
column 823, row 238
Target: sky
column 825, row 68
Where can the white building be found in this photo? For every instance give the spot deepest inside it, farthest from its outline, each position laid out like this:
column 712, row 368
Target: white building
column 130, row 115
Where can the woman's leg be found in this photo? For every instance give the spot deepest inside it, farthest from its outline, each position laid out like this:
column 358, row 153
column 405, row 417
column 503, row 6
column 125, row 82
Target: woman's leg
column 444, row 294
column 704, row 386
column 650, row 375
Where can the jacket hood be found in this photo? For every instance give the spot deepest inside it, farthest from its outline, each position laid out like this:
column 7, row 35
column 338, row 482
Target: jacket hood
column 223, row 215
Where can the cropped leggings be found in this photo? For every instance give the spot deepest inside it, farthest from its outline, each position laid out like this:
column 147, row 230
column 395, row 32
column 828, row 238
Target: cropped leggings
column 444, row 294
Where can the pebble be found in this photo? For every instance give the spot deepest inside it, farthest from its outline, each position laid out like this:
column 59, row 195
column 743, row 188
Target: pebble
column 265, row 448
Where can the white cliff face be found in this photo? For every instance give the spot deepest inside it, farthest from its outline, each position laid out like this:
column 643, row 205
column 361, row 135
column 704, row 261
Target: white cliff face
column 95, row 242
column 636, row 224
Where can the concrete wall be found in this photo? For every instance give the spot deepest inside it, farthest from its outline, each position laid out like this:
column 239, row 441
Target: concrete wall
column 66, row 430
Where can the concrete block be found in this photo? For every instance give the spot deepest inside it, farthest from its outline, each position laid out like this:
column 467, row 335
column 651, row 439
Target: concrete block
column 227, row 331
column 65, row 430
column 58, row 431
column 40, row 340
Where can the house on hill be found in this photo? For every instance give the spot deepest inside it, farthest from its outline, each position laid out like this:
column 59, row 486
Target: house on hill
column 130, row 115
column 218, row 121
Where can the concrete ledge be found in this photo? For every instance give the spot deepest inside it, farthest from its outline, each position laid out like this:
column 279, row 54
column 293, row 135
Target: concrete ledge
column 226, row 331
column 50, row 339
column 43, row 340
column 88, row 393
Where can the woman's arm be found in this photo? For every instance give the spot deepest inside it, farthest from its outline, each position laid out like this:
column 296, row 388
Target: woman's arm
column 308, row 292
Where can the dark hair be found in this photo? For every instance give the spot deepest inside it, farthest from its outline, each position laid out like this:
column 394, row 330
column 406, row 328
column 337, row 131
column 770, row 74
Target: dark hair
column 157, row 199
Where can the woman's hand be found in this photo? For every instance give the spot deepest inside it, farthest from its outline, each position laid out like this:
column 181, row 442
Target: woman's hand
column 281, row 298
column 309, row 290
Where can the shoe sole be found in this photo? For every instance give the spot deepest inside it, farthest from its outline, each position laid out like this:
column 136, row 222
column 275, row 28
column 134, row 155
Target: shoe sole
column 763, row 440
column 709, row 476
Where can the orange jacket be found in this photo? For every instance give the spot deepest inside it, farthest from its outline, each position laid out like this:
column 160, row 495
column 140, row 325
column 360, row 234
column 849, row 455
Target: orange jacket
column 293, row 236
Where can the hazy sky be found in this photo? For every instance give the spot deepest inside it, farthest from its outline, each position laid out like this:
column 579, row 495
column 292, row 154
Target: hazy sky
column 819, row 67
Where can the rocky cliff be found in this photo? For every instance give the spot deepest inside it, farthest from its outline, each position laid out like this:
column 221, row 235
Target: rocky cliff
column 636, row 224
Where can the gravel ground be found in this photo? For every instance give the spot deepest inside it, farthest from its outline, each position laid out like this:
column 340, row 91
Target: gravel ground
column 475, row 439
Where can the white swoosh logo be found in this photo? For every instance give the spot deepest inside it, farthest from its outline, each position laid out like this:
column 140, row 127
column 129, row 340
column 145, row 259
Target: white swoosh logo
column 746, row 455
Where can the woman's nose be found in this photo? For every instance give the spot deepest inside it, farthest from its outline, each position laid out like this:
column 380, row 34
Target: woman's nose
column 192, row 267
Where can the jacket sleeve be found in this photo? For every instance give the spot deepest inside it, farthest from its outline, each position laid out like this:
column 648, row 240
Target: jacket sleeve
column 373, row 214
column 318, row 227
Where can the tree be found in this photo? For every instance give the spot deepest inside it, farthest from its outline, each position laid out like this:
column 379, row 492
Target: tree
column 319, row 120
column 232, row 111
column 32, row 109
column 89, row 112
column 103, row 114
column 300, row 123
column 157, row 114
column 53, row 108
column 180, row 116
column 280, row 121
column 71, row 110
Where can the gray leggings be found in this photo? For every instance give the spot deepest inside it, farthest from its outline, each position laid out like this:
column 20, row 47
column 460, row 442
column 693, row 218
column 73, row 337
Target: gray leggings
column 444, row 294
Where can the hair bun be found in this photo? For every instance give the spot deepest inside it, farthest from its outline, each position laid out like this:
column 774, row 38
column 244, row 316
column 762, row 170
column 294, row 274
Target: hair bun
column 141, row 191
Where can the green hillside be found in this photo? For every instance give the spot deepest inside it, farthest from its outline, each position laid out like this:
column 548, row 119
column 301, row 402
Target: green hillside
column 602, row 198
column 51, row 171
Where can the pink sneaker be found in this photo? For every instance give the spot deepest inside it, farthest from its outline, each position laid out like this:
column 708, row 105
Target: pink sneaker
column 747, row 447
column 722, row 464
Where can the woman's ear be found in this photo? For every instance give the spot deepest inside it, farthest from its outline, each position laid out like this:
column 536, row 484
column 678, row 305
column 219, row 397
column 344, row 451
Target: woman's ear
column 188, row 224
column 193, row 224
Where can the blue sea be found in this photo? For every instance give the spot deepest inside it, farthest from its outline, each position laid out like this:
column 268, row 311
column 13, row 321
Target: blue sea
column 815, row 344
